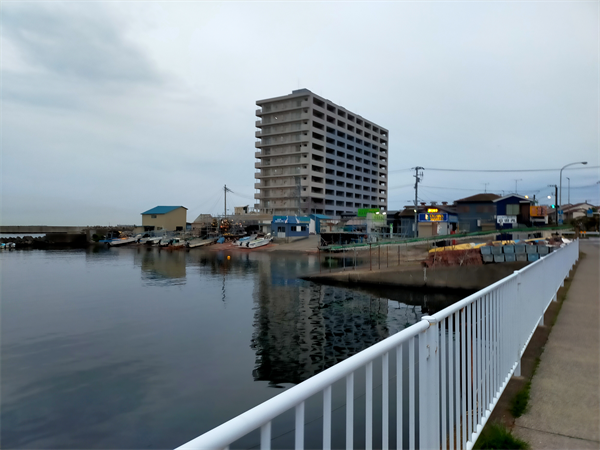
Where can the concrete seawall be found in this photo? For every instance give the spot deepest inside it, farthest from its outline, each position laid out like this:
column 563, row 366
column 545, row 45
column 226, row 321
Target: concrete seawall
column 459, row 277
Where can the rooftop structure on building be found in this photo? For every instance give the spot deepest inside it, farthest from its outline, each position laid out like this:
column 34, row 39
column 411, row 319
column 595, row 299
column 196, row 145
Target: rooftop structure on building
column 316, row 157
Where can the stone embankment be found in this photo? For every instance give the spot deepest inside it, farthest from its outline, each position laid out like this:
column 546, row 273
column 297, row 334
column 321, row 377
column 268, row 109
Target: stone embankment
column 471, row 277
column 47, row 241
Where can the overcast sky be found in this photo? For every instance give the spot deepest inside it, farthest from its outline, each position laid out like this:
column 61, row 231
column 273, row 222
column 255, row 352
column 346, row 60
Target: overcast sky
column 109, row 109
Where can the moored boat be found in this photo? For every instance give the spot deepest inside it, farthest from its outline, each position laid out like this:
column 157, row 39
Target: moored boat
column 121, row 241
column 242, row 242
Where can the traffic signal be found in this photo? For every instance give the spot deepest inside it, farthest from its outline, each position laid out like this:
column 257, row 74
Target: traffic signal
column 553, row 206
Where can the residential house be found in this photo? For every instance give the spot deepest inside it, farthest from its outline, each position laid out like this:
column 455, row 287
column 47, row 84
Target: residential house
column 476, row 213
column 512, row 211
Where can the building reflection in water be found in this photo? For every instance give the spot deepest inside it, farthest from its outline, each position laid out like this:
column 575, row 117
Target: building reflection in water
column 161, row 266
column 301, row 332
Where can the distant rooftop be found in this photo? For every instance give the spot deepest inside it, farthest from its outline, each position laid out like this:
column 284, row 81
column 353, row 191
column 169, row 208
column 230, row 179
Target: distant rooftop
column 479, row 198
column 162, row 209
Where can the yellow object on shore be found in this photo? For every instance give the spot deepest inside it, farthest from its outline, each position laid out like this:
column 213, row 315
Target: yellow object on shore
column 468, row 246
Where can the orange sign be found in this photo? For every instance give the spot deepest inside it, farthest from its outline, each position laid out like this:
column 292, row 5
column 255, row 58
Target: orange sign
column 432, row 210
column 538, row 211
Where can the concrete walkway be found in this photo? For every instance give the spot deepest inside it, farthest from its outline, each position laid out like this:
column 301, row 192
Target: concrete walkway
column 565, row 392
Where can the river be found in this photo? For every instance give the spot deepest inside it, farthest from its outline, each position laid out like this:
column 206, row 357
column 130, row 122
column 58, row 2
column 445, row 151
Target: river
column 142, row 348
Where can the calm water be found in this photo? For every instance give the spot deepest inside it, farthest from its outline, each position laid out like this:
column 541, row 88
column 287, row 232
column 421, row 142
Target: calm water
column 138, row 348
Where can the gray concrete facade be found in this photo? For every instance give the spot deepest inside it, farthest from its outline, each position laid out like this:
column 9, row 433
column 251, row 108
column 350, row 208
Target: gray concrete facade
column 316, row 157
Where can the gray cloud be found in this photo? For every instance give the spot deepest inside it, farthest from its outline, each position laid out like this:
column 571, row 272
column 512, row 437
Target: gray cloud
column 76, row 42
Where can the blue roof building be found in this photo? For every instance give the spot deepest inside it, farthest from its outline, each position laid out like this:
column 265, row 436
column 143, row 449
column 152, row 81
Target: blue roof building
column 165, row 218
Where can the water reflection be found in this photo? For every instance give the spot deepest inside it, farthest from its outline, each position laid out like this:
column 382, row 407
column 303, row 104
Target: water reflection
column 170, row 343
column 301, row 332
column 161, row 266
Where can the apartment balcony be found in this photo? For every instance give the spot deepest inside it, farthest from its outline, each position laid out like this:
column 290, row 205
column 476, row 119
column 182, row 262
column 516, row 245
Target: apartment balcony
column 257, row 165
column 258, row 155
column 258, row 186
column 268, row 110
column 276, row 119
column 260, row 175
column 258, row 123
column 286, row 130
column 291, row 140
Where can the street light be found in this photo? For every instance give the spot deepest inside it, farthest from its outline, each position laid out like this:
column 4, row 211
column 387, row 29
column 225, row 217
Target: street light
column 560, row 189
column 569, row 191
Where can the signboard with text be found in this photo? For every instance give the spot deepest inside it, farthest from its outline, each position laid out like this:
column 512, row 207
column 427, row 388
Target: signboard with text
column 433, row 217
column 506, row 219
column 538, row 211
column 362, row 212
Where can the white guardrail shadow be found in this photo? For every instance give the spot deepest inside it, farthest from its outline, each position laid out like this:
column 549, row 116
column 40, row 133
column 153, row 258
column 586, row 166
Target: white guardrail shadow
column 432, row 385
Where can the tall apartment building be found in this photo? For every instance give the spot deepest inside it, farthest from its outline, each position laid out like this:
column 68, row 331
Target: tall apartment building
column 316, row 157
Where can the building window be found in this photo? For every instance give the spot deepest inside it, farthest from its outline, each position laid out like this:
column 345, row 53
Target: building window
column 512, row 210
column 153, row 216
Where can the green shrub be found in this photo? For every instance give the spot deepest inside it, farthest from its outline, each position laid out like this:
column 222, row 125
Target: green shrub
column 497, row 437
column 518, row 404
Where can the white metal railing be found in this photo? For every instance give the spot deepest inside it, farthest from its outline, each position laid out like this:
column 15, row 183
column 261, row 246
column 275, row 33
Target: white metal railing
column 447, row 373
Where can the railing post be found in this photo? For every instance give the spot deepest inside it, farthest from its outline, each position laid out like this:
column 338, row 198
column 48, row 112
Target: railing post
column 517, row 372
column 429, row 395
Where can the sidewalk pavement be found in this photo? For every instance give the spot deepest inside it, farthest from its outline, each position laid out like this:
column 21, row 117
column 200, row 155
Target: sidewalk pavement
column 565, row 391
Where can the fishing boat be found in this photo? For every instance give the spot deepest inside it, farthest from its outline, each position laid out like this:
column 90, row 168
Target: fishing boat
column 242, row 242
column 260, row 242
column 121, row 241
column 172, row 243
column 153, row 240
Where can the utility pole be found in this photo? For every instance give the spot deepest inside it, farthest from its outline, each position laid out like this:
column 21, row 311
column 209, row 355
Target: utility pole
column 418, row 178
column 555, row 201
column 225, row 191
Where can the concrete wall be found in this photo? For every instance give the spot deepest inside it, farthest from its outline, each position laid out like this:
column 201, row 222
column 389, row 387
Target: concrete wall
column 465, row 277
column 169, row 221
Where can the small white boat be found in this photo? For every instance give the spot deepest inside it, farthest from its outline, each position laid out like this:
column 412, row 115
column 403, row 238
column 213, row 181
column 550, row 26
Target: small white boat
column 122, row 241
column 177, row 242
column 260, row 242
column 153, row 240
column 172, row 243
column 242, row 242
column 164, row 242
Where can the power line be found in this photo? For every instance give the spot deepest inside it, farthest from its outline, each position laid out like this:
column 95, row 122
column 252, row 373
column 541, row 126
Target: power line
column 401, row 186
column 508, row 170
